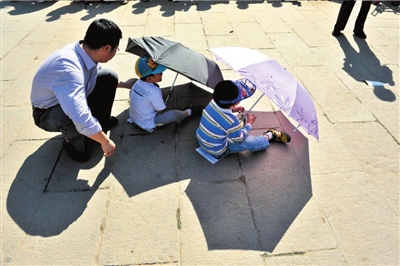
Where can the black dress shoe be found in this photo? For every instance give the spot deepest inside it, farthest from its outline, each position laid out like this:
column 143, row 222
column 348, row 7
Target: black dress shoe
column 360, row 34
column 336, row 33
column 74, row 154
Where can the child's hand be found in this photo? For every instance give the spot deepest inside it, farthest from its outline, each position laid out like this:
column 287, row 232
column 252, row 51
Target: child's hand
column 166, row 93
column 251, row 119
column 239, row 109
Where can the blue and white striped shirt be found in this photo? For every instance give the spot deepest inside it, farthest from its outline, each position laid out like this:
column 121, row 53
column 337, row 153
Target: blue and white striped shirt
column 217, row 125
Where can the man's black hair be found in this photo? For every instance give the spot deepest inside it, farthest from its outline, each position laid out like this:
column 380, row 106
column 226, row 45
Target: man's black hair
column 102, row 32
column 225, row 90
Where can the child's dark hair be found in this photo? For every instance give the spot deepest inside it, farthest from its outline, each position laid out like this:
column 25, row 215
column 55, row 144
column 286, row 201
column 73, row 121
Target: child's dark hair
column 144, row 78
column 225, row 90
column 102, row 32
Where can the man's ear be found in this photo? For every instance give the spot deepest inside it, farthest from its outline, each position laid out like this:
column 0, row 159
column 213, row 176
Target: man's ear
column 107, row 48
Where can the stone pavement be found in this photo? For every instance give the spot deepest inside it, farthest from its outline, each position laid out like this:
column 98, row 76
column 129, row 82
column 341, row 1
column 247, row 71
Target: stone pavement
column 158, row 202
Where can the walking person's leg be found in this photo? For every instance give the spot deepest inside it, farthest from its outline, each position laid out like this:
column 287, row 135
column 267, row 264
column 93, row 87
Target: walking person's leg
column 343, row 16
column 361, row 18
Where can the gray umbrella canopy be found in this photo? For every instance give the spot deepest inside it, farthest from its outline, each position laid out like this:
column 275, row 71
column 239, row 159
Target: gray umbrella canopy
column 178, row 58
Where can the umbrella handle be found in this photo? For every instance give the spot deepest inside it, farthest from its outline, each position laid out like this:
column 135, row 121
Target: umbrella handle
column 294, row 130
column 171, row 87
column 242, row 116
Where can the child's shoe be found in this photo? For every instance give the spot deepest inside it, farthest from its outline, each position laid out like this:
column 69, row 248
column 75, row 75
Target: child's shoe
column 280, row 136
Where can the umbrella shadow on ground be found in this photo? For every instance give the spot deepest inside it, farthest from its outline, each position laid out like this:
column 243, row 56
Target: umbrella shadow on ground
column 46, row 196
column 364, row 65
column 244, row 201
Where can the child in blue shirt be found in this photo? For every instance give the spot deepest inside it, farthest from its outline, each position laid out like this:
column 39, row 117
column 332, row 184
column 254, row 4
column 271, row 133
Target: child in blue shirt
column 221, row 133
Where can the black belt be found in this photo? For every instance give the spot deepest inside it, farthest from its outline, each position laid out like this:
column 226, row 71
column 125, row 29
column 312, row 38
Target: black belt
column 37, row 109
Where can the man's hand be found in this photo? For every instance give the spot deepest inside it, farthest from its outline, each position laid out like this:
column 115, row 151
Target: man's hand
column 107, row 145
column 108, row 148
column 251, row 119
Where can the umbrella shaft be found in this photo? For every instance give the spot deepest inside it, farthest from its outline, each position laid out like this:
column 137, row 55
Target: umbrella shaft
column 256, row 102
column 173, row 83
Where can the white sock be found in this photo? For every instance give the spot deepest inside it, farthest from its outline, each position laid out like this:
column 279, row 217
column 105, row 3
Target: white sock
column 269, row 134
column 189, row 112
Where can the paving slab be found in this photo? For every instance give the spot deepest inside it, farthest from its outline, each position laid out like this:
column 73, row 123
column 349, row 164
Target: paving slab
column 382, row 103
column 66, row 229
column 270, row 22
column 22, row 187
column 192, row 35
column 359, row 204
column 328, row 90
column 383, row 169
column 210, row 22
column 207, row 200
column 294, row 49
column 17, row 92
column 246, row 32
column 142, row 229
column 13, row 121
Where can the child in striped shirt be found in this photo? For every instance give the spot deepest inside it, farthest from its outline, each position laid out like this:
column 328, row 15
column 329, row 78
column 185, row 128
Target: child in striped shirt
column 221, row 133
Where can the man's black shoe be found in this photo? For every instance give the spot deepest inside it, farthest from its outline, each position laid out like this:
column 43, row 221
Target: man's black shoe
column 336, row 33
column 79, row 156
column 360, row 34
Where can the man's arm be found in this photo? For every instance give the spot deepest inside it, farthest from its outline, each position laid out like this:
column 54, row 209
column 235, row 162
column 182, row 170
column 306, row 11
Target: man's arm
column 107, row 145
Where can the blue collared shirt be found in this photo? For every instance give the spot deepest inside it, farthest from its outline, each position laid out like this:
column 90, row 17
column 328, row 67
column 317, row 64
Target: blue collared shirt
column 67, row 77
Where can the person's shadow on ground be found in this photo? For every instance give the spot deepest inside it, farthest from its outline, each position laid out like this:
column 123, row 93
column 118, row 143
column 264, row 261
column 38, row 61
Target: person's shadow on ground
column 245, row 201
column 364, row 65
column 46, row 197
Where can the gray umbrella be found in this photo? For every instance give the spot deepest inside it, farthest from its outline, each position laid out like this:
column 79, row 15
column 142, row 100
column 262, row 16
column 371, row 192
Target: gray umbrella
column 178, row 58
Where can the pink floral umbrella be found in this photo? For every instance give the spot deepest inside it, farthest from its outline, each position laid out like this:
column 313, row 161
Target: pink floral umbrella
column 274, row 81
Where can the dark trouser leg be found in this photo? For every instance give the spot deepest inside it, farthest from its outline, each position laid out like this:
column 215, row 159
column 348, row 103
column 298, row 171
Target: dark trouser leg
column 362, row 16
column 101, row 99
column 54, row 119
column 344, row 14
